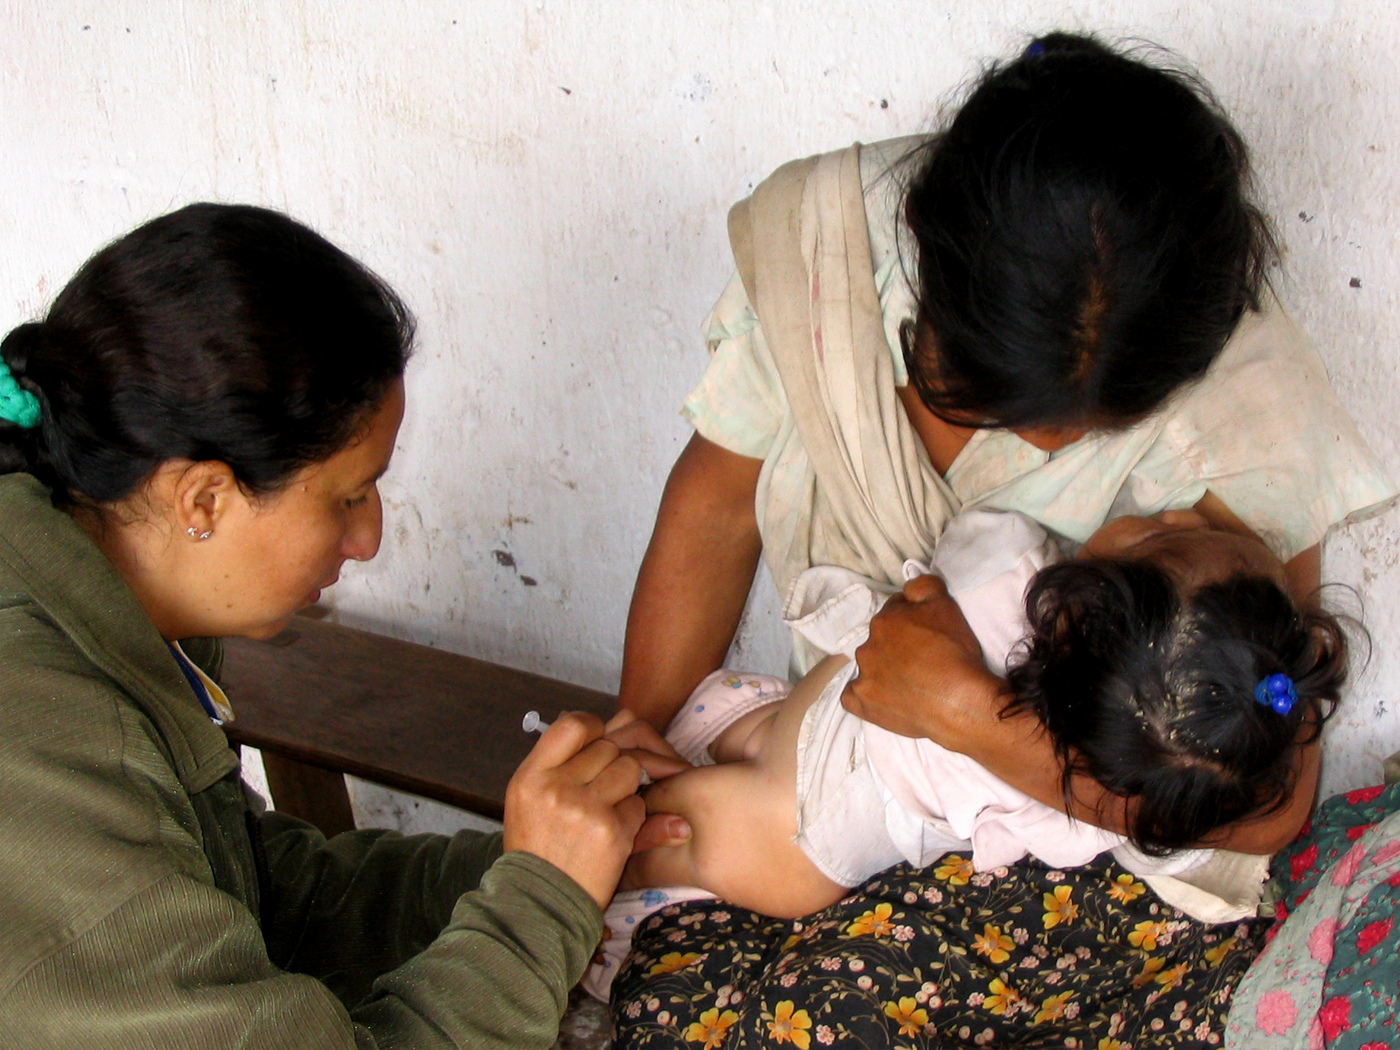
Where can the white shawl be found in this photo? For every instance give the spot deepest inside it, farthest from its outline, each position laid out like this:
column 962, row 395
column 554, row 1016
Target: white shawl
column 847, row 482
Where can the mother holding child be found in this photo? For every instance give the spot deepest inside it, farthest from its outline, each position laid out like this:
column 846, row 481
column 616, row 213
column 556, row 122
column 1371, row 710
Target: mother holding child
column 1050, row 315
column 1045, row 330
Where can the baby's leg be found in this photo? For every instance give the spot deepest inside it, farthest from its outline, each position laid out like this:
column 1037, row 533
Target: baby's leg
column 743, row 816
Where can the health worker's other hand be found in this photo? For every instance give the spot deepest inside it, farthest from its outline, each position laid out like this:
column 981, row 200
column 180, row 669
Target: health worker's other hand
column 921, row 671
column 638, row 738
column 574, row 802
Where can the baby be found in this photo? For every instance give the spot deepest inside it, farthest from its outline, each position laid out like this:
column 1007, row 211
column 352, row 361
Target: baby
column 1166, row 662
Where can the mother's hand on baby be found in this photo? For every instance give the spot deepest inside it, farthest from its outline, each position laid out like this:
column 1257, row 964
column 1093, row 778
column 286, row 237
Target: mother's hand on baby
column 921, row 671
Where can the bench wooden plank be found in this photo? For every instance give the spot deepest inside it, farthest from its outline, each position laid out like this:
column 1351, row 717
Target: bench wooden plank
column 408, row 716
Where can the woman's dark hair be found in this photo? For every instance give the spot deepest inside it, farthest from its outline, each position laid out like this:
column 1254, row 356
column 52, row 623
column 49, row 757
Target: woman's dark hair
column 1152, row 694
column 1085, row 241
column 217, row 332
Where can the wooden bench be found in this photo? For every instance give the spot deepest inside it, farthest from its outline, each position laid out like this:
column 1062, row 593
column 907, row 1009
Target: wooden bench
column 321, row 700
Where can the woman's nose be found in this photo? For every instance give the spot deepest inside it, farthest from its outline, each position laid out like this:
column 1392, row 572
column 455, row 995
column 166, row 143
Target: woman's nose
column 365, row 530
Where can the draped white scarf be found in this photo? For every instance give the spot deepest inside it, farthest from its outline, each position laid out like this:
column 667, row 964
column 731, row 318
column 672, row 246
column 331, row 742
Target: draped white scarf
column 847, row 481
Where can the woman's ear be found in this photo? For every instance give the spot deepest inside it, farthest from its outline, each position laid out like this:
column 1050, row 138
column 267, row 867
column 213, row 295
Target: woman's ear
column 205, row 494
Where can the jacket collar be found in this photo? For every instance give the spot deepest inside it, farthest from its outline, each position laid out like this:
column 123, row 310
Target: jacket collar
column 75, row 585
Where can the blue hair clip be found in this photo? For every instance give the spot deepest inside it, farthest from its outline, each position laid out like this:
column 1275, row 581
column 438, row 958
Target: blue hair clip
column 1276, row 691
column 1035, row 50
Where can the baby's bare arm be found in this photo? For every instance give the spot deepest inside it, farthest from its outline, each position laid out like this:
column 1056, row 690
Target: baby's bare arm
column 743, row 817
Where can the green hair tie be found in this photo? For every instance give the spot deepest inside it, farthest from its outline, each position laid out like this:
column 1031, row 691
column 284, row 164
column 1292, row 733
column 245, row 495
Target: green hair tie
column 17, row 404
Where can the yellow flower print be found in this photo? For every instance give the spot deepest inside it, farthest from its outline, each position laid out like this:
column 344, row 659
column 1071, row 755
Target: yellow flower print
column 1003, row 997
column 1169, row 979
column 1109, row 1044
column 711, row 1028
column 1145, row 935
column 1059, row 908
column 908, row 1015
column 1126, row 889
column 1149, row 972
column 793, row 938
column 673, row 961
column 994, row 944
column 789, row 1026
column 1053, row 1008
column 1216, row 954
column 954, row 870
column 875, row 922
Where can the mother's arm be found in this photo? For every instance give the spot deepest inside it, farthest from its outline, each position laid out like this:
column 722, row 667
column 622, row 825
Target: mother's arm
column 694, row 580
column 948, row 695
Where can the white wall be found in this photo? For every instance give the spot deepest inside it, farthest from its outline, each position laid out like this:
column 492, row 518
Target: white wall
column 546, row 183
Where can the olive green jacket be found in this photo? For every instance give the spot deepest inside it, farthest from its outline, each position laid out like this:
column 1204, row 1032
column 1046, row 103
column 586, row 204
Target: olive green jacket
column 144, row 905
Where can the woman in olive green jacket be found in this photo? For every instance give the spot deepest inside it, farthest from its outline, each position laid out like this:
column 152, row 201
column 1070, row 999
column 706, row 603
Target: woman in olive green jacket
column 189, row 448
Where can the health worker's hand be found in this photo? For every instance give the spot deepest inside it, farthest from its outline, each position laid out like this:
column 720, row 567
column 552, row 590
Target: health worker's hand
column 574, row 802
column 638, row 738
column 921, row 671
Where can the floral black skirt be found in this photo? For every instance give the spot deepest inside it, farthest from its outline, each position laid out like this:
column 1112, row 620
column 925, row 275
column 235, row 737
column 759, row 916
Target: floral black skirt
column 939, row 957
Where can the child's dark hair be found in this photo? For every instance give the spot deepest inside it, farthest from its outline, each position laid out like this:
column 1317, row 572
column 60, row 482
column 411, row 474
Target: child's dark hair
column 217, row 332
column 1152, row 694
column 1085, row 241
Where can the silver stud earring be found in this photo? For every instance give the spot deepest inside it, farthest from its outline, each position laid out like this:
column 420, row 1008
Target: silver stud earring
column 195, row 534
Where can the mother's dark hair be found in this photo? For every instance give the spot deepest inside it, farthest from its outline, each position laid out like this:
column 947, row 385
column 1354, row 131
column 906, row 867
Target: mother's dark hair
column 217, row 332
column 1086, row 242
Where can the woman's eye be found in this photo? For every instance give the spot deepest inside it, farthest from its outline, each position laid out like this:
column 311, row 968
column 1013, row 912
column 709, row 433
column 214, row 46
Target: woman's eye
column 357, row 501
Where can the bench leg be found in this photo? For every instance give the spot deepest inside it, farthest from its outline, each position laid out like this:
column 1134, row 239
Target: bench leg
column 316, row 795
